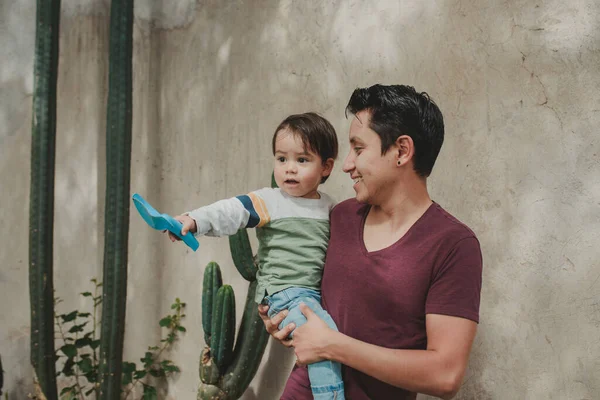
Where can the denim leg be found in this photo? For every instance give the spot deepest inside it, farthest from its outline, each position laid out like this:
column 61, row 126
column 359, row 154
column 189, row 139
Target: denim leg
column 325, row 376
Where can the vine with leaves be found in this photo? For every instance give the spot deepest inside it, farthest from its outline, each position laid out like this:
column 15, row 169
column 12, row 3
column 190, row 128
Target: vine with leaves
column 78, row 357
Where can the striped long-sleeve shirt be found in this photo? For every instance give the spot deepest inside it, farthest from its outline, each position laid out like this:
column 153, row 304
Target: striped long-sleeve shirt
column 293, row 233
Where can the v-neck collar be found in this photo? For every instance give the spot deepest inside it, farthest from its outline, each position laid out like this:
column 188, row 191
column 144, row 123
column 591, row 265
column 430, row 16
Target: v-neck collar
column 404, row 237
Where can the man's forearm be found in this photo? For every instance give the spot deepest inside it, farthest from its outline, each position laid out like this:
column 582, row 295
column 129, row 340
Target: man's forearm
column 423, row 371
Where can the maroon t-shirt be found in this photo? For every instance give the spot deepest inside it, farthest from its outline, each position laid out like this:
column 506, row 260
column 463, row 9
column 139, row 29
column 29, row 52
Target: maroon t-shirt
column 382, row 297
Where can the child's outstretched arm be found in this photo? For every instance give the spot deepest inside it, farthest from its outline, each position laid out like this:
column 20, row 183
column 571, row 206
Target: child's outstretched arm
column 223, row 218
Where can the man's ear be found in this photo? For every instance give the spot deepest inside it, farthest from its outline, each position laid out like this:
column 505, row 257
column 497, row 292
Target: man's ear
column 405, row 149
column 327, row 167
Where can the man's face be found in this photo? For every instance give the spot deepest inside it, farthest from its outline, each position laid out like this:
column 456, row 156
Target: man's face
column 374, row 174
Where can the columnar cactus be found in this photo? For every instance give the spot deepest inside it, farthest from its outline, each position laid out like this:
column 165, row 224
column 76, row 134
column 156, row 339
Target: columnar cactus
column 212, row 283
column 224, row 378
column 226, row 372
column 41, row 211
column 116, row 228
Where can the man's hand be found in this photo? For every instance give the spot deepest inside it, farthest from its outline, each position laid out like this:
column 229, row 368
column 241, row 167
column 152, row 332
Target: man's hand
column 189, row 225
column 312, row 339
column 272, row 325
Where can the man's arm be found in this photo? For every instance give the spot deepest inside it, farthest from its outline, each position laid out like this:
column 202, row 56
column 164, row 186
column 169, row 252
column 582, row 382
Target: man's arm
column 437, row 371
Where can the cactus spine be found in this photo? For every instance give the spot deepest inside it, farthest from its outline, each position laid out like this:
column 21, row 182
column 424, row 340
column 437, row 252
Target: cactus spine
column 118, row 156
column 41, row 211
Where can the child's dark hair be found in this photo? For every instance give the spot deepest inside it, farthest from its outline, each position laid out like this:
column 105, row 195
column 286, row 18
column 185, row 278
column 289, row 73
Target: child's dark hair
column 318, row 135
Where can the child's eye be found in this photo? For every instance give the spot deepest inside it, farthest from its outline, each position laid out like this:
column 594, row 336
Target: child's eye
column 357, row 150
column 281, row 159
column 302, row 160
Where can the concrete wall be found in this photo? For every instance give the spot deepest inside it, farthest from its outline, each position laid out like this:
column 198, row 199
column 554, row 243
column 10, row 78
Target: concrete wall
column 518, row 82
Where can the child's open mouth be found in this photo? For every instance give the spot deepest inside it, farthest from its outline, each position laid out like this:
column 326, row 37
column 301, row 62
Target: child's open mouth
column 291, row 182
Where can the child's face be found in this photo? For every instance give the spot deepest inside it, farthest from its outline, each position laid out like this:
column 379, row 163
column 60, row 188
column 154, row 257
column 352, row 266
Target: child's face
column 298, row 171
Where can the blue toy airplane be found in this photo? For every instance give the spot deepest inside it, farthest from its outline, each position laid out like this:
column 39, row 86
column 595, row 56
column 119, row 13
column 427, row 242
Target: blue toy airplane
column 163, row 222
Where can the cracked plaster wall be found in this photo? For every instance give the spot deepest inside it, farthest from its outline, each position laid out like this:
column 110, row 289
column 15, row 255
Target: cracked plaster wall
column 519, row 85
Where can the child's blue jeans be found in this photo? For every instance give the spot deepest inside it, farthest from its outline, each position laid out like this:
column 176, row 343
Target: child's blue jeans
column 325, row 376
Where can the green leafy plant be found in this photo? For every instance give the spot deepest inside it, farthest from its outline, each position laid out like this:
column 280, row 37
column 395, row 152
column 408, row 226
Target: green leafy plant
column 79, row 352
column 78, row 356
column 152, row 364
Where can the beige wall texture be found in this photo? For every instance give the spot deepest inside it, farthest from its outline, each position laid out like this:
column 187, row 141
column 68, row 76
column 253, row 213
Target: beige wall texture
column 518, row 82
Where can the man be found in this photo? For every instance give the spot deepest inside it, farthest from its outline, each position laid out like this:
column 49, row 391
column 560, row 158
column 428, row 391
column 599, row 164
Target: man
column 402, row 278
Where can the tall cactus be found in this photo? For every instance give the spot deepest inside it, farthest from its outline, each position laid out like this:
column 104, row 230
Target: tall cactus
column 225, row 375
column 118, row 157
column 41, row 211
column 222, row 379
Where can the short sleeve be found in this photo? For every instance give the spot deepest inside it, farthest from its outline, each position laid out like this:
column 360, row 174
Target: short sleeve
column 456, row 285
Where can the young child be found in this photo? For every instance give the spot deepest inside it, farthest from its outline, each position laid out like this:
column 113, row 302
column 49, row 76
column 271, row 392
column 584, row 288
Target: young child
column 292, row 224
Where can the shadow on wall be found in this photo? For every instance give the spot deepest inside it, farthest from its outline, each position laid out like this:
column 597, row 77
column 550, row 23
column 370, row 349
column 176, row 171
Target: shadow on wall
column 274, row 376
column 15, row 377
column 17, row 67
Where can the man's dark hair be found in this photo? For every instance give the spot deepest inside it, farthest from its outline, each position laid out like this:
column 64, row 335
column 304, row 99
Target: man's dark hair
column 317, row 134
column 398, row 110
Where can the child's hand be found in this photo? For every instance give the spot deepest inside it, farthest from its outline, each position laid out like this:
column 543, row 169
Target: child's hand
column 189, row 225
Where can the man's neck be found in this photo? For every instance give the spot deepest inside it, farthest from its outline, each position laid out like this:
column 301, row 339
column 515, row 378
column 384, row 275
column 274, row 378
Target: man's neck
column 404, row 205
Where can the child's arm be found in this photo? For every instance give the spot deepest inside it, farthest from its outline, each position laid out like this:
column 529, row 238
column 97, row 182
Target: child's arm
column 223, row 218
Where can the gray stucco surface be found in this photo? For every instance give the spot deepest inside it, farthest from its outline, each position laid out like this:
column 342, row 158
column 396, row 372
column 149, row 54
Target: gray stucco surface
column 519, row 85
